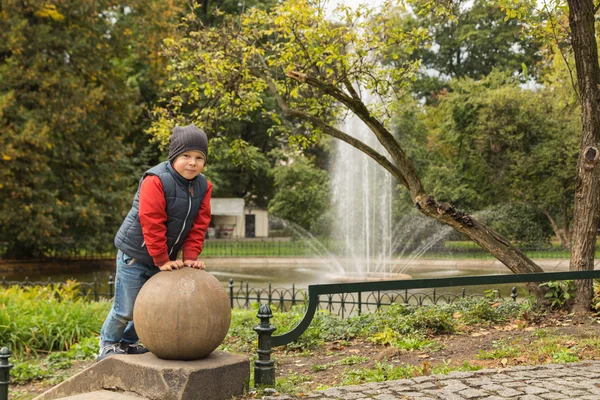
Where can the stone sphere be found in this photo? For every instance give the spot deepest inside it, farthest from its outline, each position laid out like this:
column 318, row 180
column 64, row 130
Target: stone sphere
column 182, row 314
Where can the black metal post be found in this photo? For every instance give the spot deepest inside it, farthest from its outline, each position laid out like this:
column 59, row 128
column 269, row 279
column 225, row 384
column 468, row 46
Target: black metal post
column 270, row 295
column 264, row 367
column 359, row 303
column 231, row 292
column 513, row 293
column 96, row 289
column 247, row 296
column 293, row 293
column 5, row 367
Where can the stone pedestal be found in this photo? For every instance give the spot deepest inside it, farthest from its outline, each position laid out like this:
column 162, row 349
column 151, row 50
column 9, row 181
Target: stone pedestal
column 219, row 376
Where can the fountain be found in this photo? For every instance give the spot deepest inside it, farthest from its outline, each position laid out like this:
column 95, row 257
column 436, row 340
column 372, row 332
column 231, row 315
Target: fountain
column 362, row 198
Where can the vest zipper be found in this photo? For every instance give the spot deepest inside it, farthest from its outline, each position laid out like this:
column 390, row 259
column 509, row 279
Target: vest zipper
column 184, row 221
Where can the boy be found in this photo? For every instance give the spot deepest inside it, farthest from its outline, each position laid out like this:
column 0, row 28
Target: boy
column 170, row 212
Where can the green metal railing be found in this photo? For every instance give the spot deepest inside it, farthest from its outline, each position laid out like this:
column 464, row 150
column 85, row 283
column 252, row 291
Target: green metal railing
column 264, row 367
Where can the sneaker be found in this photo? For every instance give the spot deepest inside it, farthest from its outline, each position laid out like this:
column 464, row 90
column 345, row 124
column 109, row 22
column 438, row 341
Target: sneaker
column 136, row 348
column 109, row 350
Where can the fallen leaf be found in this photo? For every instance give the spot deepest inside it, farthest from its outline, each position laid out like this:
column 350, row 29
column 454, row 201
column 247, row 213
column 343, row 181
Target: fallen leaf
column 504, row 362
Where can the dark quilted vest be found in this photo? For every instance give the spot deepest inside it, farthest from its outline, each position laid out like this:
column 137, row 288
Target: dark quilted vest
column 183, row 200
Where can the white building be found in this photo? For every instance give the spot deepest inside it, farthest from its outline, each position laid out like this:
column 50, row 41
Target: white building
column 231, row 219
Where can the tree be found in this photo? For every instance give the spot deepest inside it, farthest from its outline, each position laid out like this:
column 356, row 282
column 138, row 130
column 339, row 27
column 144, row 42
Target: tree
column 471, row 40
column 492, row 142
column 303, row 192
column 587, row 194
column 74, row 76
column 316, row 69
column 581, row 35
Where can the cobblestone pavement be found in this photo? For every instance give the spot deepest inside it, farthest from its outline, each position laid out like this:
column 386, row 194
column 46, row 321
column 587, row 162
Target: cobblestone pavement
column 551, row 381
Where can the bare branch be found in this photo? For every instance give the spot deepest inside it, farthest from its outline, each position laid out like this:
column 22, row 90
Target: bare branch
column 386, row 139
column 564, row 57
column 379, row 158
column 336, row 133
column 350, row 88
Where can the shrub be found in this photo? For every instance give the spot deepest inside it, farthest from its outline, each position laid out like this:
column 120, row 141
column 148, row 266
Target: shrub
column 47, row 318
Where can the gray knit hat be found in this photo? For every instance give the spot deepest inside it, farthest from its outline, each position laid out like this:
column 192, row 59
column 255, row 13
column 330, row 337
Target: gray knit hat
column 186, row 138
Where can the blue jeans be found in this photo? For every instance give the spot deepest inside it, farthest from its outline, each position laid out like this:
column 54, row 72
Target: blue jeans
column 131, row 276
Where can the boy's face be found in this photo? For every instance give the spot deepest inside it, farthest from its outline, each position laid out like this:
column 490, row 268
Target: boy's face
column 189, row 164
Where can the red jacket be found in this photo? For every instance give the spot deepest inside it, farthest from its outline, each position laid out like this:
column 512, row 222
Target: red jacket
column 153, row 217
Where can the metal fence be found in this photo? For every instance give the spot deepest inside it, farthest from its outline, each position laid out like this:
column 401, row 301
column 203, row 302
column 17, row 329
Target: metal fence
column 264, row 367
column 277, row 247
column 242, row 295
column 346, row 304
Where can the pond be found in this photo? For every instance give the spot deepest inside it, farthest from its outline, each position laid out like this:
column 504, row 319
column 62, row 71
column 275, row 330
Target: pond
column 282, row 274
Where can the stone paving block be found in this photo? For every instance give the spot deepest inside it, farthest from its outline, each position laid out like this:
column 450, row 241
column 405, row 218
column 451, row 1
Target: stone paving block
column 535, row 390
column 371, row 391
column 552, row 366
column 448, row 395
column 455, row 386
column 524, row 368
column 460, row 375
column 479, row 381
column 409, row 394
column 494, row 387
column 494, row 398
column 501, row 378
column 591, row 397
column 352, row 396
column 333, row 392
column 594, row 390
column 513, row 384
column 472, row 393
column 400, row 388
column 424, row 385
column 420, row 379
column 582, row 384
column 374, row 385
column 401, row 382
column 554, row 386
column 553, row 395
column 588, row 374
column 530, row 397
column 385, row 397
column 510, row 392
column 352, row 388
column 575, row 394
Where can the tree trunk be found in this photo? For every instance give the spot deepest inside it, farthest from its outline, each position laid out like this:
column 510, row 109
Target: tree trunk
column 587, row 194
column 560, row 233
column 403, row 170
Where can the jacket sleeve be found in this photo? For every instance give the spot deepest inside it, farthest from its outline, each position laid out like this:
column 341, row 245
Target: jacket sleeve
column 192, row 246
column 153, row 218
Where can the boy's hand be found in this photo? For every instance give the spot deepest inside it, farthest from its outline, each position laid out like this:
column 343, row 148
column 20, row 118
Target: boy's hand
column 171, row 265
column 195, row 264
